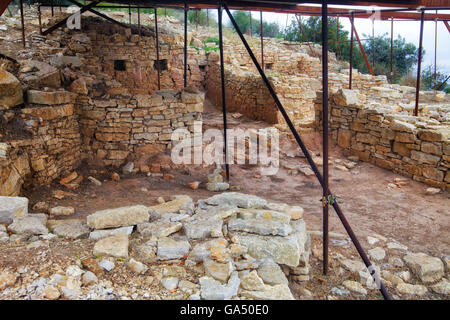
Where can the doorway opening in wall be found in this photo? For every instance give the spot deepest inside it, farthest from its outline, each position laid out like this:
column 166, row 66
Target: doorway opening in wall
column 162, row 64
column 119, row 65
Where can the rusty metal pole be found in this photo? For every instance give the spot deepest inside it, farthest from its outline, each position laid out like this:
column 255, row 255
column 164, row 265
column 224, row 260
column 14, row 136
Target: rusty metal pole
column 222, row 76
column 373, row 44
column 361, row 47
column 51, row 4
column 157, row 49
column 314, row 168
column 40, row 19
column 392, row 50
column 262, row 41
column 337, row 38
column 23, row 23
column 435, row 52
column 185, row 42
column 419, row 63
column 325, row 134
column 351, row 52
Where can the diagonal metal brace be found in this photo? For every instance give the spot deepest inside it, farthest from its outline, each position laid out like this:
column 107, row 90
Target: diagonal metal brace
column 64, row 21
column 336, row 207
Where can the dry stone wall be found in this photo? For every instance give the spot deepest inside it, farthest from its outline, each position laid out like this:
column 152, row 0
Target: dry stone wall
column 417, row 147
column 48, row 142
column 115, row 127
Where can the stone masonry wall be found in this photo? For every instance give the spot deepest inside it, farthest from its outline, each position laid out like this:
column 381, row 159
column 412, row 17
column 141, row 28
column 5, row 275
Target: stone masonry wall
column 417, row 147
column 131, row 59
column 47, row 146
column 115, row 127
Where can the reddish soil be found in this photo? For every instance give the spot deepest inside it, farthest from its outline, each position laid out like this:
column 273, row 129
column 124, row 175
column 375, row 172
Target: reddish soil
column 422, row 222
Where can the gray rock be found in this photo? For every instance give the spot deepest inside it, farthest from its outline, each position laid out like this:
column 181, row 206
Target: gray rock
column 28, row 226
column 61, row 211
column 118, row 217
column 146, row 252
column 70, row 294
column 106, row 265
column 100, row 234
column 116, row 246
column 260, row 226
column 71, row 229
column 216, row 270
column 276, row 292
column 89, row 278
column 271, row 273
column 179, row 204
column 217, row 186
column 427, row 268
column 212, row 289
column 169, row 249
column 442, row 287
column 236, row 199
column 170, row 283
column 200, row 227
column 251, row 281
column 290, row 250
column 12, row 207
column 137, row 266
column 159, row 228
column 377, row 253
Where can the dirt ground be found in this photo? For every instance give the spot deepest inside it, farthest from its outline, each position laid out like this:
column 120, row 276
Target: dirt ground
column 407, row 214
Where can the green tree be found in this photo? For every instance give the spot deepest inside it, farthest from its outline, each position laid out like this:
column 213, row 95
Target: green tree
column 404, row 55
column 427, row 80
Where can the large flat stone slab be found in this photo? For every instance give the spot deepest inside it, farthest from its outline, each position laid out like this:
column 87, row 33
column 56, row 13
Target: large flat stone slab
column 100, row 234
column 236, row 199
column 260, row 226
column 180, row 204
column 28, row 225
column 11, row 207
column 169, row 249
column 116, row 246
column 72, row 229
column 10, row 90
column 212, row 289
column 427, row 268
column 118, row 217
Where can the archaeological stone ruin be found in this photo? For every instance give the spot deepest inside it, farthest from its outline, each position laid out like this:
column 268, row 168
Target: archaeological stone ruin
column 82, row 110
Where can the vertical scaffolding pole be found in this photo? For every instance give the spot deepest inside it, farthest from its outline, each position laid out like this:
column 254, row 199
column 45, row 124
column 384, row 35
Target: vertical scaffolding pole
column 373, row 44
column 351, row 52
column 51, row 4
column 157, row 49
column 23, row 23
column 196, row 19
column 337, row 38
column 419, row 63
column 325, row 133
column 435, row 52
column 305, row 151
column 222, row 76
column 392, row 50
column 207, row 17
column 185, row 42
column 262, row 41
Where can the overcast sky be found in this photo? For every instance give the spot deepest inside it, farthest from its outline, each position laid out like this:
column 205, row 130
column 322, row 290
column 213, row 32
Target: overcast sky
column 408, row 29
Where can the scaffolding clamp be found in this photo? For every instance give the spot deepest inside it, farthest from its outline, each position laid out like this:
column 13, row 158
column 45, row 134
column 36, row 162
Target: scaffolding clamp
column 329, row 201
